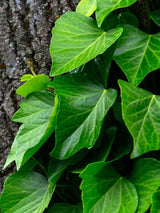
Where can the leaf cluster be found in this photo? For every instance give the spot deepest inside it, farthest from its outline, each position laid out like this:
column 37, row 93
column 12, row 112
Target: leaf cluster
column 89, row 139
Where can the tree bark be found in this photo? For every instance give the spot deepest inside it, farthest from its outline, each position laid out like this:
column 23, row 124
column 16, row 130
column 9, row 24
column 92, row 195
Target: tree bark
column 25, row 33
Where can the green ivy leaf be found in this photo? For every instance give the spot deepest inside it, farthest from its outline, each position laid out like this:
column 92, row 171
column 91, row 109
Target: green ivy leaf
column 76, row 40
column 38, row 114
column 105, row 7
column 86, row 7
column 145, row 176
column 33, row 84
column 82, row 108
column 141, row 114
column 155, row 16
column 65, row 208
column 105, row 191
column 26, row 77
column 26, row 192
column 156, row 203
column 137, row 53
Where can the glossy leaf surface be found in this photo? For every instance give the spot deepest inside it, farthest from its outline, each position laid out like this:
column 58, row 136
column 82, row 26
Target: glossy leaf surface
column 156, row 203
column 141, row 114
column 65, row 208
column 33, row 84
column 82, row 108
column 27, row 192
column 105, row 191
column 37, row 113
column 86, row 7
column 155, row 16
column 145, row 176
column 76, row 40
column 137, row 53
column 105, row 7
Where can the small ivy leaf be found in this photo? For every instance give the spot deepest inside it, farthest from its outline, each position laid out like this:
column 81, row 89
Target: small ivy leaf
column 145, row 176
column 155, row 16
column 26, row 192
column 38, row 115
column 86, row 7
column 82, row 109
column 105, row 191
column 141, row 114
column 76, row 39
column 33, row 84
column 156, row 202
column 105, row 7
column 26, row 77
column 128, row 18
column 65, row 208
column 137, row 53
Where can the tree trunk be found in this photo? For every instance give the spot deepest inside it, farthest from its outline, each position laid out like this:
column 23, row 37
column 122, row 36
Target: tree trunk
column 25, row 33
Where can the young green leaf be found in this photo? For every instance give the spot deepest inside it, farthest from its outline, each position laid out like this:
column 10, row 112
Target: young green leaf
column 76, row 40
column 137, row 53
column 155, row 16
column 145, row 176
column 26, row 192
column 141, row 114
column 33, row 84
column 156, row 203
column 38, row 114
column 65, row 208
column 86, row 7
column 105, row 191
column 82, row 108
column 105, row 7
column 26, row 77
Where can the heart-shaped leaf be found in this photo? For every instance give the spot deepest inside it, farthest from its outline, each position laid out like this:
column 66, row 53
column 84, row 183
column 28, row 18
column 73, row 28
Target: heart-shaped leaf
column 105, row 7
column 33, row 84
column 105, row 191
column 141, row 114
column 137, row 53
column 86, row 7
column 76, row 40
column 145, row 176
column 37, row 113
column 83, row 105
column 65, row 208
column 26, row 192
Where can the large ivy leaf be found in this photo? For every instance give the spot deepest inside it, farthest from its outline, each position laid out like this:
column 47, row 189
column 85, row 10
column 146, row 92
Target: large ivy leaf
column 26, row 192
column 37, row 113
column 65, row 208
column 145, row 176
column 86, row 7
column 137, row 53
column 156, row 203
column 33, row 84
column 105, row 191
column 141, row 114
column 82, row 108
column 105, row 7
column 155, row 16
column 76, row 40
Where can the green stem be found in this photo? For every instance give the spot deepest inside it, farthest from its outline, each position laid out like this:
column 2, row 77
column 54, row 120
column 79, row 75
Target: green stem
column 61, row 196
column 66, row 186
column 30, row 63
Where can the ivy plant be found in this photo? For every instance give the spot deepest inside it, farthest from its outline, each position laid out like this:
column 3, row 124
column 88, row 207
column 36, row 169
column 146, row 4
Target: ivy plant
column 89, row 140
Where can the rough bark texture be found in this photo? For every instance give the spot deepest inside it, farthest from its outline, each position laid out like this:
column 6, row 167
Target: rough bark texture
column 25, row 33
